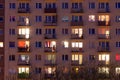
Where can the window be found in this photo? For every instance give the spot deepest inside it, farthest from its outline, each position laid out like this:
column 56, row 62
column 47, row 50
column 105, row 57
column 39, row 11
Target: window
column 91, row 57
column 12, row 18
column 117, row 19
column 24, row 32
column 50, row 5
column 50, row 19
column 38, row 57
column 103, row 32
column 23, row 44
column 91, row 44
column 23, row 5
column 103, row 70
column 50, row 44
column 77, row 5
column 104, row 57
column 1, row 6
column 1, row 31
column 11, row 57
column 118, row 31
column 1, row 44
column 77, row 31
column 77, row 57
column 77, row 18
column 65, row 57
column 64, row 31
column 1, row 19
column 51, row 58
column 38, row 44
column 38, row 31
column 37, row 70
column 91, row 31
column 117, row 57
column 50, row 31
column 38, row 18
column 104, row 18
column 65, row 18
column 117, row 44
column 65, row 5
column 91, row 5
column 77, row 44
column 65, row 44
column 92, row 18
column 11, row 44
column 103, row 5
column 12, row 31
column 12, row 5
column 117, row 70
column 117, row 4
column 23, row 70
column 50, row 70
column 38, row 5
column 24, row 58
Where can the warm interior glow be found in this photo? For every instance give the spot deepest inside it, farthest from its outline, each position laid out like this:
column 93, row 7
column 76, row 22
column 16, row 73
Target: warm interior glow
column 23, row 69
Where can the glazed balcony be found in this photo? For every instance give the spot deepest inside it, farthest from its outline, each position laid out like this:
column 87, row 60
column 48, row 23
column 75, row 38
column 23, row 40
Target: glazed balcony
column 103, row 36
column 76, row 23
column 20, row 36
column 23, row 49
column 50, row 62
column 104, row 10
column 50, row 10
column 50, row 49
column 103, row 23
column 50, row 36
column 76, row 36
column 23, row 10
column 50, row 23
column 77, row 50
column 103, row 49
column 26, row 62
column 77, row 10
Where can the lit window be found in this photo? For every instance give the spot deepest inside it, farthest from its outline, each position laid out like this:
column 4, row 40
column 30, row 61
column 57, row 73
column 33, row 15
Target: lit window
column 77, row 44
column 78, row 31
column 118, row 57
column 50, row 44
column 104, row 70
column 92, row 18
column 23, row 70
column 24, row 58
column 50, row 70
column 76, row 57
column 66, row 44
column 24, row 31
column 1, row 44
column 51, row 58
column 23, row 43
column 65, row 19
column 104, row 18
column 104, row 57
column 117, row 70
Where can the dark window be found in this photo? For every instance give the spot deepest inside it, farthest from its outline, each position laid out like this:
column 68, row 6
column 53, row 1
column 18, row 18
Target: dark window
column 118, row 31
column 1, row 6
column 64, row 31
column 64, row 5
column 12, row 31
column 38, row 44
column 65, row 57
column 1, row 19
column 117, row 4
column 1, row 31
column 38, row 5
column 38, row 31
column 38, row 18
column 12, row 5
column 38, row 57
column 91, row 5
column 11, row 57
column 38, row 70
column 117, row 44
column 91, row 31
column 91, row 57
column 11, row 44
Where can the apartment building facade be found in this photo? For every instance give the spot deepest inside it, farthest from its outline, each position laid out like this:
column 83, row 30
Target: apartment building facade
column 42, row 36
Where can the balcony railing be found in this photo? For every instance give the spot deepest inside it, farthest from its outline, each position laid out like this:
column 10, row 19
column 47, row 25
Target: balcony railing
column 23, row 75
column 52, row 75
column 23, row 36
column 23, row 10
column 104, row 10
column 103, row 49
column 50, row 10
column 76, row 36
column 50, row 23
column 50, row 62
column 77, row 10
column 20, row 23
column 103, row 36
column 50, row 36
column 101, row 63
column 76, row 23
column 23, row 49
column 103, row 23
column 77, row 50
column 50, row 49
column 26, row 62
column 75, row 63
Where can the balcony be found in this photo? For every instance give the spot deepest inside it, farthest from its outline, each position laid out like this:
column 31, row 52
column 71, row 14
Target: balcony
column 50, row 10
column 23, row 75
column 103, row 63
column 52, row 75
column 50, row 23
column 20, row 23
column 23, row 10
column 103, row 36
column 50, row 36
column 77, row 10
column 103, row 23
column 103, row 49
column 75, row 63
column 26, row 62
column 50, row 62
column 77, row 23
column 23, row 49
column 76, row 36
column 50, row 49
column 104, row 10
column 77, row 50
column 20, row 36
